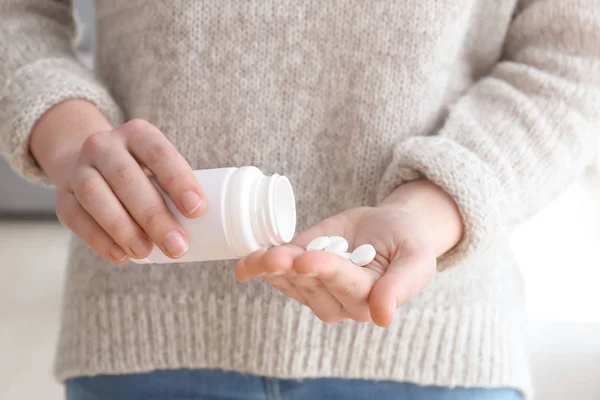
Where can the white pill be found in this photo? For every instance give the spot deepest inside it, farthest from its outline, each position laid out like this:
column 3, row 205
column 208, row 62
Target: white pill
column 363, row 255
column 319, row 243
column 337, row 245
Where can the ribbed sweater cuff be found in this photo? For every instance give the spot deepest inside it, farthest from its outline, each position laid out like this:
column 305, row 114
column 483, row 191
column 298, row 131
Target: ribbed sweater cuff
column 458, row 171
column 275, row 337
column 33, row 90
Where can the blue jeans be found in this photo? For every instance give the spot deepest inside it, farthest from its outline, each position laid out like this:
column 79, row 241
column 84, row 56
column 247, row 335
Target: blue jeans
column 207, row 384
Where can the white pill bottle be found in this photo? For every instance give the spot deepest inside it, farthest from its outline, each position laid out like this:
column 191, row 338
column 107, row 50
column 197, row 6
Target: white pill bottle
column 246, row 211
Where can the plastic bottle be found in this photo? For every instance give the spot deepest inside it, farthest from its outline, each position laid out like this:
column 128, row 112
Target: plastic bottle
column 246, row 211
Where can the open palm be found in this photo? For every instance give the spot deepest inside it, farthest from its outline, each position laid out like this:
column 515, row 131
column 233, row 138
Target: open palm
column 336, row 289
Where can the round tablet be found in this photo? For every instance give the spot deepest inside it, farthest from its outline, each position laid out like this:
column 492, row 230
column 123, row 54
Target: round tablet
column 319, row 243
column 337, row 245
column 363, row 255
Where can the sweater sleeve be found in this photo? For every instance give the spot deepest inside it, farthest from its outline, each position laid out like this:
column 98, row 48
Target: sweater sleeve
column 38, row 69
column 521, row 134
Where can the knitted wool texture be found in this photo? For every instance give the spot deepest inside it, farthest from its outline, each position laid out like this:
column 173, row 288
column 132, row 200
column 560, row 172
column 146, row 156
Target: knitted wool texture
column 495, row 101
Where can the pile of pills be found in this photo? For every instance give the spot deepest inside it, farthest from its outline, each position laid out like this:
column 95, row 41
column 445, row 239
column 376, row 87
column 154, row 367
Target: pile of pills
column 361, row 256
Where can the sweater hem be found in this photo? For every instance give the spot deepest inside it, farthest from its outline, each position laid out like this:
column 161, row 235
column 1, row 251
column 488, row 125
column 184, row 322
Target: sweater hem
column 450, row 347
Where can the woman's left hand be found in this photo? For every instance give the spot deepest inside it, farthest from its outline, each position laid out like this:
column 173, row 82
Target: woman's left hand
column 336, row 289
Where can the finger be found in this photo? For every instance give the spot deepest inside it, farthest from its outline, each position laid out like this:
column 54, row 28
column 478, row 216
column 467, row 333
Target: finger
column 275, row 265
column 278, row 260
column 341, row 276
column 171, row 170
column 72, row 215
column 348, row 283
column 246, row 269
column 325, row 306
column 283, row 284
column 141, row 199
column 98, row 200
column 240, row 270
column 406, row 277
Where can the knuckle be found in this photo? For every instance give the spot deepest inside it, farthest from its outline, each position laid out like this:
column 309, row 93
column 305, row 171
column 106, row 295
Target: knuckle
column 157, row 153
column 137, row 130
column 351, row 290
column 127, row 175
column 174, row 180
column 119, row 227
column 88, row 187
column 152, row 214
column 95, row 143
column 136, row 125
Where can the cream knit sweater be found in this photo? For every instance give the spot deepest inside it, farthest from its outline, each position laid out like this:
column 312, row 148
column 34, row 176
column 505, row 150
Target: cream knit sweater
column 498, row 102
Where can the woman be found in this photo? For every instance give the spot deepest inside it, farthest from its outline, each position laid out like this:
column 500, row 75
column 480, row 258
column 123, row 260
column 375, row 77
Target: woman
column 426, row 128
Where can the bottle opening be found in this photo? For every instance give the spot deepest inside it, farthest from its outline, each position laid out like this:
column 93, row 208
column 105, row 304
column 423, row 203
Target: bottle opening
column 261, row 211
column 284, row 208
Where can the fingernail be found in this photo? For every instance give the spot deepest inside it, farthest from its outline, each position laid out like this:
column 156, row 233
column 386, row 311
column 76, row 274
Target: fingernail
column 175, row 244
column 191, row 201
column 140, row 247
column 118, row 254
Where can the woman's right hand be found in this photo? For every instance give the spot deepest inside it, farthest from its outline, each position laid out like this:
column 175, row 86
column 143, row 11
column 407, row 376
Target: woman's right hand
column 106, row 198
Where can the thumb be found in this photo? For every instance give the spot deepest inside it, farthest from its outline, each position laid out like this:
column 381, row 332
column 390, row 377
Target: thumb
column 409, row 272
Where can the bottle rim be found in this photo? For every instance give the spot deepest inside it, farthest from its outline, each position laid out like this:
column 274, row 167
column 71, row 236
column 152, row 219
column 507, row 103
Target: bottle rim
column 261, row 211
column 282, row 208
